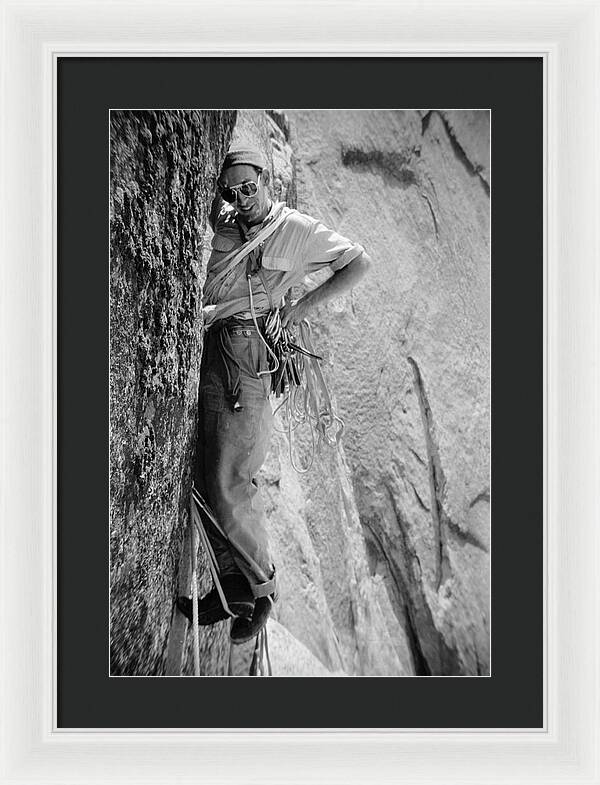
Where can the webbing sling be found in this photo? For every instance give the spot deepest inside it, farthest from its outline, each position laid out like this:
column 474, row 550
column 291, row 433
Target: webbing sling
column 266, row 585
column 195, row 627
column 212, row 559
column 261, row 660
column 198, row 528
column 238, row 254
column 261, row 649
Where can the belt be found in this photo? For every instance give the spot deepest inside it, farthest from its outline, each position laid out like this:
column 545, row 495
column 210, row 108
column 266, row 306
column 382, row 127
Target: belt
column 238, row 326
column 241, row 330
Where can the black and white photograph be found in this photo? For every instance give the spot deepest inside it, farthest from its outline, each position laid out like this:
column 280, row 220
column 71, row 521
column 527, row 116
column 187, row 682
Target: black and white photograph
column 300, row 392
column 299, row 326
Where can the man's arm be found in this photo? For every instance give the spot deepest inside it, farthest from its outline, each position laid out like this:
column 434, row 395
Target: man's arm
column 340, row 282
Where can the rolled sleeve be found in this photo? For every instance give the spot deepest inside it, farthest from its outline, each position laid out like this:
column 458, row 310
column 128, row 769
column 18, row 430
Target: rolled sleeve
column 326, row 248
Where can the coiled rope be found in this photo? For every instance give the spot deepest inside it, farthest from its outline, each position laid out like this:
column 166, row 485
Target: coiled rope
column 294, row 367
column 307, row 400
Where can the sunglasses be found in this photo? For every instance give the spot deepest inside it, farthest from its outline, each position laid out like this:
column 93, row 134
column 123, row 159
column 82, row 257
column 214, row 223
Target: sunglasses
column 247, row 188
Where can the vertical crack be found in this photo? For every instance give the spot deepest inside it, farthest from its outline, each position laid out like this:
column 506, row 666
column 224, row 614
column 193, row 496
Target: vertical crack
column 420, row 664
column 418, row 497
column 475, row 170
column 420, row 661
column 425, row 120
column 437, row 481
column 430, row 653
column 435, row 223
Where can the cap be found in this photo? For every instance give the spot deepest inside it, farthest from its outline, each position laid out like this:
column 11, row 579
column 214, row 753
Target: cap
column 244, row 155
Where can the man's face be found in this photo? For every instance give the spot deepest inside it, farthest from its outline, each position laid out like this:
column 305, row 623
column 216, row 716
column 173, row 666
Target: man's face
column 252, row 209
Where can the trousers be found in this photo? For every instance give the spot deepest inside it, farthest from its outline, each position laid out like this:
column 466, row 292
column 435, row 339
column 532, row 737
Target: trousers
column 235, row 423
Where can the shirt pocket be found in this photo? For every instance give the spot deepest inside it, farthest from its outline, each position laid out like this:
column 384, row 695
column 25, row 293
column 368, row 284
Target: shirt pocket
column 282, row 263
column 222, row 243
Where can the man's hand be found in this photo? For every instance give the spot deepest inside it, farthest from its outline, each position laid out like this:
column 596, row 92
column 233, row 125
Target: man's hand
column 293, row 312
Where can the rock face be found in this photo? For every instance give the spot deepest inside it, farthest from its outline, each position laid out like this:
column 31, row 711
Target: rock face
column 163, row 166
column 383, row 547
column 408, row 355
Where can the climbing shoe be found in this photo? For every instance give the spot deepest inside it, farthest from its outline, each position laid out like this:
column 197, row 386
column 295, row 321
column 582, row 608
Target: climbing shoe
column 244, row 629
column 210, row 609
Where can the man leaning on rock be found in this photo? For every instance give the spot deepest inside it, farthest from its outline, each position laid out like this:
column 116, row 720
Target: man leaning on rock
column 260, row 250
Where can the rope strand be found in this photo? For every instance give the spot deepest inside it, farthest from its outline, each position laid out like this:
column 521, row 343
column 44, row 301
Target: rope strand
column 195, row 626
column 307, row 401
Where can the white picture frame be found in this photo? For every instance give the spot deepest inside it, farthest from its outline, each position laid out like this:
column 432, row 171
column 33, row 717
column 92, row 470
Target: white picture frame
column 566, row 33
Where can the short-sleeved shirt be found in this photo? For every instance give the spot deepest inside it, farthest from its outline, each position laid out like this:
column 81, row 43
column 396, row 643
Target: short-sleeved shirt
column 301, row 245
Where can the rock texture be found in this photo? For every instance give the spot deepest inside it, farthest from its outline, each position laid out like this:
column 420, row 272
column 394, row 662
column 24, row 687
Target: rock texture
column 383, row 547
column 289, row 657
column 163, row 166
column 409, row 359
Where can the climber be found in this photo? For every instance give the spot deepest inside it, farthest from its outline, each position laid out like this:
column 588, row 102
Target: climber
column 260, row 250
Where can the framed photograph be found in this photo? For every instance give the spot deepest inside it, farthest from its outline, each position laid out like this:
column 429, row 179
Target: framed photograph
column 428, row 193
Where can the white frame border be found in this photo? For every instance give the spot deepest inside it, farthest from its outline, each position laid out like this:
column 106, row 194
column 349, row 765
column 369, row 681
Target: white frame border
column 567, row 36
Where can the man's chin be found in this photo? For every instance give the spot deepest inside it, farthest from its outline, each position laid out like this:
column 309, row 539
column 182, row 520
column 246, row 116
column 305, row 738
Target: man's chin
column 250, row 217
